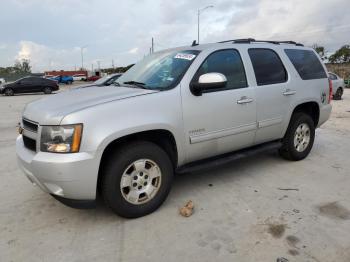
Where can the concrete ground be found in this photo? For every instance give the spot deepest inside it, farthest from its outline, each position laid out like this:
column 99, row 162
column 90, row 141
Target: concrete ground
column 257, row 209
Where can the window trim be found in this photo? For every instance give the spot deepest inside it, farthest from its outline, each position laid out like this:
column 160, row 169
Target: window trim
column 226, row 88
column 278, row 56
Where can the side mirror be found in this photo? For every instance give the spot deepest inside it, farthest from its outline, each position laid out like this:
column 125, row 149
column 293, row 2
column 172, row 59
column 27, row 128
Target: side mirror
column 207, row 82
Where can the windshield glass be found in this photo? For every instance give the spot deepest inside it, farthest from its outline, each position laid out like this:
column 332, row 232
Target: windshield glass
column 102, row 80
column 161, row 70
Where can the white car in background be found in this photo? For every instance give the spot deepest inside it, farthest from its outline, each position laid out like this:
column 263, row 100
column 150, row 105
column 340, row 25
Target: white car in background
column 79, row 77
column 337, row 85
column 2, row 81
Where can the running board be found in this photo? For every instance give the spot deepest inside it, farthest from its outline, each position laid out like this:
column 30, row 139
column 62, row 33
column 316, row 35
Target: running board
column 229, row 157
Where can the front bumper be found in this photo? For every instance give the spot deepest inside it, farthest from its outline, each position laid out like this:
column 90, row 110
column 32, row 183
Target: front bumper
column 70, row 176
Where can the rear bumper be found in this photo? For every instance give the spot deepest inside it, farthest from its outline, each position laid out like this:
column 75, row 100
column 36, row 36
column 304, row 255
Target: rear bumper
column 70, row 176
column 325, row 113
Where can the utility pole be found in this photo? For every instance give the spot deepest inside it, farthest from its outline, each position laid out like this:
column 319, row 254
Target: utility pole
column 152, row 45
column 98, row 62
column 198, row 14
column 92, row 68
column 113, row 63
column 82, row 56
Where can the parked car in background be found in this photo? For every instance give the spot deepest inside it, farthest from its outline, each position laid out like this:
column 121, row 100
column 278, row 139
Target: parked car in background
column 175, row 110
column 2, row 81
column 104, row 81
column 347, row 82
column 29, row 85
column 79, row 77
column 92, row 78
column 63, row 79
column 338, row 85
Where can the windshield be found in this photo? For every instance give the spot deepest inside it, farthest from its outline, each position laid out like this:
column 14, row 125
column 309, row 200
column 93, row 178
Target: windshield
column 102, row 80
column 159, row 71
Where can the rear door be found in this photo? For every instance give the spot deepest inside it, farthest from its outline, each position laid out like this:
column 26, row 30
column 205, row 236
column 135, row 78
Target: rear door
column 220, row 120
column 274, row 93
column 25, row 85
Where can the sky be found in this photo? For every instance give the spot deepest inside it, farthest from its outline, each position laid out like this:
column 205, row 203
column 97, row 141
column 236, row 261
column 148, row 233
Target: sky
column 51, row 33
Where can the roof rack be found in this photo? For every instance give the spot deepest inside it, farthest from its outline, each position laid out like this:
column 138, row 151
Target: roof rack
column 252, row 40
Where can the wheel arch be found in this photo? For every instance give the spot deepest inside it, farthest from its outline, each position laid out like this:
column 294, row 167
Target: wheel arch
column 311, row 108
column 161, row 137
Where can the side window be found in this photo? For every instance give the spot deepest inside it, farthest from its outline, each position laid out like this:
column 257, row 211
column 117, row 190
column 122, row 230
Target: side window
column 268, row 67
column 227, row 62
column 306, row 63
column 332, row 76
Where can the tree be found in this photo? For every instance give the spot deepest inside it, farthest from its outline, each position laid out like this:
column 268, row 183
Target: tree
column 341, row 56
column 320, row 50
column 23, row 66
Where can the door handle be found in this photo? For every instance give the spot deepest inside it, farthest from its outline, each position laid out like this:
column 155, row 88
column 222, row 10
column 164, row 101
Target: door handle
column 289, row 92
column 244, row 100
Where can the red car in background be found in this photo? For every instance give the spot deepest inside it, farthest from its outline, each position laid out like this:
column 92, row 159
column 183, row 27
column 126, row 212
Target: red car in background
column 92, row 78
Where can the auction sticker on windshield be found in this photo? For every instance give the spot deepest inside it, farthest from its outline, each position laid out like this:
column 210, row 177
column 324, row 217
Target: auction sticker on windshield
column 185, row 56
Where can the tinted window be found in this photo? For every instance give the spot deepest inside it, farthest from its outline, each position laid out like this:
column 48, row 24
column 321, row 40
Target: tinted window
column 267, row 66
column 306, row 63
column 228, row 63
column 27, row 80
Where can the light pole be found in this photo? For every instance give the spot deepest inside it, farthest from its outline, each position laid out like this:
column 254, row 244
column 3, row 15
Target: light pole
column 198, row 14
column 82, row 56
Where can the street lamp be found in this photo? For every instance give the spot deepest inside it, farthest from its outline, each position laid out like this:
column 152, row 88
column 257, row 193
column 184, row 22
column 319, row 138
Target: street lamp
column 198, row 13
column 82, row 56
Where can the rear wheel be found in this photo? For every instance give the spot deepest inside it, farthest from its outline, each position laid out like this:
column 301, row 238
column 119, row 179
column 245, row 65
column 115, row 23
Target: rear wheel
column 47, row 90
column 299, row 138
column 137, row 179
column 338, row 94
column 8, row 92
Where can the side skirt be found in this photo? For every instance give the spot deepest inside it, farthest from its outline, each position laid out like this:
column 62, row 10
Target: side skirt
column 228, row 157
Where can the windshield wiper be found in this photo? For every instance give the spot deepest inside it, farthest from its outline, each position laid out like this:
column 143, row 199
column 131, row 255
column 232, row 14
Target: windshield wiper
column 137, row 84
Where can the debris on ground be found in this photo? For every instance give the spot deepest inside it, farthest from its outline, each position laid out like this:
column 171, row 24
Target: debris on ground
column 288, row 189
column 187, row 210
column 282, row 259
column 277, row 230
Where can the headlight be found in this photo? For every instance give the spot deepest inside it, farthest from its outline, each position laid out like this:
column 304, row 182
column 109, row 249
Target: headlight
column 61, row 139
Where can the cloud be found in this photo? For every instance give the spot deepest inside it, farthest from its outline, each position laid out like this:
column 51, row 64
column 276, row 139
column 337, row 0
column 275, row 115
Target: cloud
column 133, row 50
column 122, row 30
column 46, row 58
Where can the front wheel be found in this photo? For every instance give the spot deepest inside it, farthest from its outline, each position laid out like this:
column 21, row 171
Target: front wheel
column 299, row 138
column 8, row 92
column 137, row 179
column 47, row 90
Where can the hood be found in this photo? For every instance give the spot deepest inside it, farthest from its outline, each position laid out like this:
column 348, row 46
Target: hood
column 52, row 109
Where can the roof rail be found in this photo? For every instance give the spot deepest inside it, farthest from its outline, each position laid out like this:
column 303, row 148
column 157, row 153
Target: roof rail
column 252, row 40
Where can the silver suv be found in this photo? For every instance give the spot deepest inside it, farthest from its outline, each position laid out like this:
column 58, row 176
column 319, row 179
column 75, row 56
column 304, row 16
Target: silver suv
column 174, row 111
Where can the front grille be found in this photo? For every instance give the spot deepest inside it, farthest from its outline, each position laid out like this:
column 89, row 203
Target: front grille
column 29, row 143
column 30, row 125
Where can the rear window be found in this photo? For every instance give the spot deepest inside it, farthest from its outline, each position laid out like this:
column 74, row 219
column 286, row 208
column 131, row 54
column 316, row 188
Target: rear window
column 267, row 66
column 306, row 63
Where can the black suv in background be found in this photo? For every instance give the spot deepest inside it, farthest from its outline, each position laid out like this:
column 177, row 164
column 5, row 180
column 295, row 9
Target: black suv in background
column 29, row 85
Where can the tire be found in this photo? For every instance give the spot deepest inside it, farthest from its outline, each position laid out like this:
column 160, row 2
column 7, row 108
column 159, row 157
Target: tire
column 295, row 145
column 125, row 163
column 8, row 92
column 338, row 94
column 47, row 90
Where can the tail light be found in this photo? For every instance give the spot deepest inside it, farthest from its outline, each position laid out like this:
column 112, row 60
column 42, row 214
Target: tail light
column 330, row 91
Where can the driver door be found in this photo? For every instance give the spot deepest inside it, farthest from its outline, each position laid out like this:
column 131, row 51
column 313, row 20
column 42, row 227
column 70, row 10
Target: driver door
column 220, row 120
